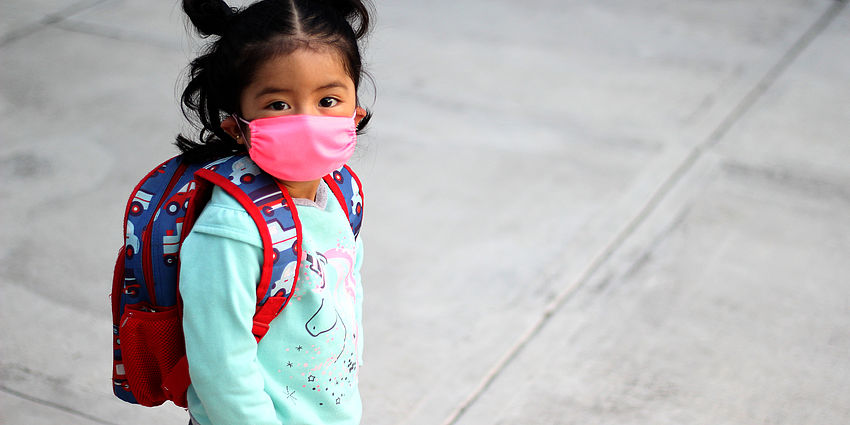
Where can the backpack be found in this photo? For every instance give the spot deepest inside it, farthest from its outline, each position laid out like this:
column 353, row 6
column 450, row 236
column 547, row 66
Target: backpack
column 149, row 356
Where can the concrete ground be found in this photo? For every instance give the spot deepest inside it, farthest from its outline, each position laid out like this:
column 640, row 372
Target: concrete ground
column 604, row 212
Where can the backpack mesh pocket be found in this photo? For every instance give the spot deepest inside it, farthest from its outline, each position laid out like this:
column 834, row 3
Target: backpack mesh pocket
column 151, row 344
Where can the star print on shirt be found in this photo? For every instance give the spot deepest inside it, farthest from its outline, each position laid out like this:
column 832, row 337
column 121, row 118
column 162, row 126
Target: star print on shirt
column 311, row 378
column 290, row 395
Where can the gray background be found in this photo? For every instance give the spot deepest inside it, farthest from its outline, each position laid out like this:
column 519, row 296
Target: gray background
column 609, row 212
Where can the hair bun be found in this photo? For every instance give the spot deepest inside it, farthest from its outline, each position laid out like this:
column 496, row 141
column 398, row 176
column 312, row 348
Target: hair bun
column 356, row 12
column 210, row 17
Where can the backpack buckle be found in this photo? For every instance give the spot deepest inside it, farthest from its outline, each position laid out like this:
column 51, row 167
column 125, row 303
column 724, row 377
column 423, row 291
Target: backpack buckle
column 259, row 330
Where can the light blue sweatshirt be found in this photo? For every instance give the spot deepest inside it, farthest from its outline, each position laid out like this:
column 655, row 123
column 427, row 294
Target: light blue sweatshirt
column 305, row 370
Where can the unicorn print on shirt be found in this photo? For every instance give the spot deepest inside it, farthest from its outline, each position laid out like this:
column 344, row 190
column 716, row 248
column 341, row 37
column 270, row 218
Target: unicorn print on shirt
column 335, row 313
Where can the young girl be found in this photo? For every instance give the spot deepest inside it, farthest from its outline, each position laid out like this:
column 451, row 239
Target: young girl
column 279, row 81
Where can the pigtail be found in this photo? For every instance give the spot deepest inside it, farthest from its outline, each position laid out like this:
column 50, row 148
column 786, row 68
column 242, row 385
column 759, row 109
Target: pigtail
column 202, row 105
column 356, row 12
column 354, row 16
column 210, row 17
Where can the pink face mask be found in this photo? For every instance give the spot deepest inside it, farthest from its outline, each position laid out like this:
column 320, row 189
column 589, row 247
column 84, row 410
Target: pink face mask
column 301, row 147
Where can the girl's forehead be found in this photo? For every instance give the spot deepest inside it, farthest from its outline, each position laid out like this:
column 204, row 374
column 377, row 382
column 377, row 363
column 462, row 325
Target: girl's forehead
column 306, row 63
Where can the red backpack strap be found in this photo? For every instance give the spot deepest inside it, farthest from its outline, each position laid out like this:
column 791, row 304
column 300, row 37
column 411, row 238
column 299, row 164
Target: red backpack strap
column 270, row 206
column 348, row 191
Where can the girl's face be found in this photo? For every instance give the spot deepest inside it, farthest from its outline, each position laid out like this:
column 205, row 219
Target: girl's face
column 304, row 82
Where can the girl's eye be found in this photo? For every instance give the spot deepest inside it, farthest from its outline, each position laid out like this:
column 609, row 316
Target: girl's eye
column 328, row 102
column 279, row 106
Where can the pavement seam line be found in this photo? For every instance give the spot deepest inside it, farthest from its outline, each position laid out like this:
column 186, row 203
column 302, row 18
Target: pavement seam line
column 53, row 405
column 111, row 33
column 742, row 107
column 774, row 72
column 47, row 20
column 22, row 32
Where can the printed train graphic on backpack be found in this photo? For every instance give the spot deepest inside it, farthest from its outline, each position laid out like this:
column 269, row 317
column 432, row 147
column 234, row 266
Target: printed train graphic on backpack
column 149, row 360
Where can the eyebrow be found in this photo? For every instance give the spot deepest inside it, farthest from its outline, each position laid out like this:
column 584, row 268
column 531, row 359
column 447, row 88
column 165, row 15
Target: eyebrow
column 331, row 85
column 272, row 89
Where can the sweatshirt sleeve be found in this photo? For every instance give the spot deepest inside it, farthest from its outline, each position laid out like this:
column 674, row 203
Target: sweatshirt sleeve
column 220, row 266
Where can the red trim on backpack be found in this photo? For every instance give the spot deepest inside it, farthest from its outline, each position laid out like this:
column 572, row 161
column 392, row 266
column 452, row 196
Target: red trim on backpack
column 136, row 190
column 147, row 266
column 246, row 202
column 117, row 285
column 360, row 191
column 359, row 185
column 203, row 191
column 266, row 313
column 116, row 302
column 299, row 236
column 274, row 305
column 334, row 186
column 175, row 383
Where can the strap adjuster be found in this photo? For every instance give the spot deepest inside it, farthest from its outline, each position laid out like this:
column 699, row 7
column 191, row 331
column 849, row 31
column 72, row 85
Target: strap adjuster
column 259, row 330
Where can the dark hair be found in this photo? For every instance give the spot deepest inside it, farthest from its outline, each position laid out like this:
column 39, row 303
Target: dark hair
column 244, row 39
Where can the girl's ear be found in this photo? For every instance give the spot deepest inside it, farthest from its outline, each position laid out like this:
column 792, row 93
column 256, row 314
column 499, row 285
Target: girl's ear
column 359, row 113
column 231, row 127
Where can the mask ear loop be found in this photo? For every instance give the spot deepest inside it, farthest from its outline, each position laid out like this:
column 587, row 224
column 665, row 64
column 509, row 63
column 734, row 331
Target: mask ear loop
column 237, row 118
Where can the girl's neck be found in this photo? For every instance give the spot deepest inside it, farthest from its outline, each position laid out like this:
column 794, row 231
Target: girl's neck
column 305, row 190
